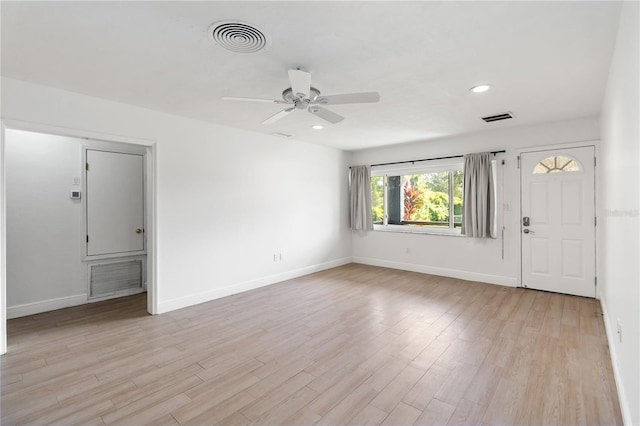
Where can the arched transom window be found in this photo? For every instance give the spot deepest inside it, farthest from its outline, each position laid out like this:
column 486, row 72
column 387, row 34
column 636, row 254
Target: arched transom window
column 557, row 164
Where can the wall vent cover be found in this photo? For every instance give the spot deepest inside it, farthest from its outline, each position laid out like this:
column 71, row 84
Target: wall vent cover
column 498, row 117
column 115, row 278
column 239, row 37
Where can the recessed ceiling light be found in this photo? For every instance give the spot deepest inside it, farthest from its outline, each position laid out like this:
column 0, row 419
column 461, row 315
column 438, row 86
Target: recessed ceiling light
column 317, row 127
column 480, row 88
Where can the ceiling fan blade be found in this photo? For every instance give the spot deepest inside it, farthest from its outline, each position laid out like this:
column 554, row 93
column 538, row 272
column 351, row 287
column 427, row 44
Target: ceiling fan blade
column 349, row 98
column 278, row 115
column 235, row 98
column 325, row 114
column 300, row 83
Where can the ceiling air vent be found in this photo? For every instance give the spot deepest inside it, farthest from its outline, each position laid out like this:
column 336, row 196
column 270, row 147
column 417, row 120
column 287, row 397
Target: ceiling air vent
column 282, row 134
column 498, row 117
column 239, row 37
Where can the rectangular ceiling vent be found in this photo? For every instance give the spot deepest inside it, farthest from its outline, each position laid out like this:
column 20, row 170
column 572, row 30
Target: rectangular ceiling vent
column 281, row 134
column 498, row 117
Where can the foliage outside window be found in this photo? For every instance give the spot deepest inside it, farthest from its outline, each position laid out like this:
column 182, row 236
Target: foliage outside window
column 421, row 200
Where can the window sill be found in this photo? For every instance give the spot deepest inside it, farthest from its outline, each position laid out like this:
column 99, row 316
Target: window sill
column 408, row 230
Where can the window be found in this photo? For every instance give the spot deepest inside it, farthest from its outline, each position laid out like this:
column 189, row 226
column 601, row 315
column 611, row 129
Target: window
column 557, row 164
column 418, row 198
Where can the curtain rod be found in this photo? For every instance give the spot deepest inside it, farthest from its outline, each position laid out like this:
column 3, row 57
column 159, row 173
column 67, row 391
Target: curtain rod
column 430, row 159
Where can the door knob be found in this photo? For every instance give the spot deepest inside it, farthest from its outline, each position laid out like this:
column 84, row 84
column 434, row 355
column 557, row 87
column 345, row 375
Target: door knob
column 138, row 231
column 528, row 231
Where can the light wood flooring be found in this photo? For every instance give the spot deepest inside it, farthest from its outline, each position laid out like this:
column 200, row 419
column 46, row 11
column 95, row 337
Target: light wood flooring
column 351, row 345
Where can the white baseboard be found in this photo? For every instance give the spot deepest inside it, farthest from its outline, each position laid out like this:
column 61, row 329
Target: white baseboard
column 45, row 305
column 452, row 273
column 611, row 332
column 194, row 299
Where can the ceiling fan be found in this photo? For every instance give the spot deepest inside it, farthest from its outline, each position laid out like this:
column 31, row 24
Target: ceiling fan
column 301, row 95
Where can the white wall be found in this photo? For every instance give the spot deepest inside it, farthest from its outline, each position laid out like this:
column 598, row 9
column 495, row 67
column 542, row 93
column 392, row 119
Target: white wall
column 227, row 200
column 620, row 211
column 454, row 256
column 44, row 224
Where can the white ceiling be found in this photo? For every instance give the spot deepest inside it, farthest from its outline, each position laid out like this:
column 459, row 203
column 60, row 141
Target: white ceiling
column 547, row 61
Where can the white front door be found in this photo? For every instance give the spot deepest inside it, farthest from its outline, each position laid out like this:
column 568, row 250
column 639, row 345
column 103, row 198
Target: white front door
column 115, row 202
column 558, row 220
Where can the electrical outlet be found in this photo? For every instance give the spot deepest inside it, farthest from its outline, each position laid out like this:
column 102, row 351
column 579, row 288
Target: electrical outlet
column 619, row 330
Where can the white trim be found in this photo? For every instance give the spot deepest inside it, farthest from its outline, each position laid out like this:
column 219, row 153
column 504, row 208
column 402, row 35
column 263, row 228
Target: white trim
column 576, row 144
column 431, row 270
column 45, row 305
column 77, row 133
column 611, row 334
column 3, row 246
column 206, row 296
column 151, row 235
column 425, row 230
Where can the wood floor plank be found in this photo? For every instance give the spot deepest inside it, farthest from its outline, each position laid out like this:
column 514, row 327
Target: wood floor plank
column 436, row 413
column 402, row 414
column 369, row 416
column 467, row 413
column 351, row 345
column 424, row 390
column 349, row 406
column 205, row 411
column 393, row 393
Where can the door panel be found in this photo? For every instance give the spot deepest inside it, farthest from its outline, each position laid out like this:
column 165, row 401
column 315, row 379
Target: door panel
column 558, row 244
column 571, row 198
column 540, row 208
column 115, row 202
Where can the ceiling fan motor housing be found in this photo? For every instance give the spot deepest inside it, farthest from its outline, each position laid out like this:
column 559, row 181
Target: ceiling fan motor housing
column 290, row 98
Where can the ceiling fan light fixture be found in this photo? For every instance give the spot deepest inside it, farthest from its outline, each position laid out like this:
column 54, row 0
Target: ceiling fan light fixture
column 480, row 88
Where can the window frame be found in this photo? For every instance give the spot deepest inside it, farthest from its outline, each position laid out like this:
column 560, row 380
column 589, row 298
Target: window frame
column 423, row 167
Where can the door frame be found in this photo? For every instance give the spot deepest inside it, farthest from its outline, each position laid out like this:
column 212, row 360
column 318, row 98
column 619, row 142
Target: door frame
column 581, row 144
column 150, row 201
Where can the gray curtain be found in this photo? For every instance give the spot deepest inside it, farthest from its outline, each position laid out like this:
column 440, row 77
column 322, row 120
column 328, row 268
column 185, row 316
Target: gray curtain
column 479, row 196
column 360, row 198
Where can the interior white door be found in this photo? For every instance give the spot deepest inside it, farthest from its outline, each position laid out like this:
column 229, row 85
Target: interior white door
column 558, row 220
column 115, row 202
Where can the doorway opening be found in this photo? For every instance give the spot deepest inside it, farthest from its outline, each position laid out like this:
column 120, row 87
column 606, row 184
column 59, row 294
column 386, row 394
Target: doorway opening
column 53, row 210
